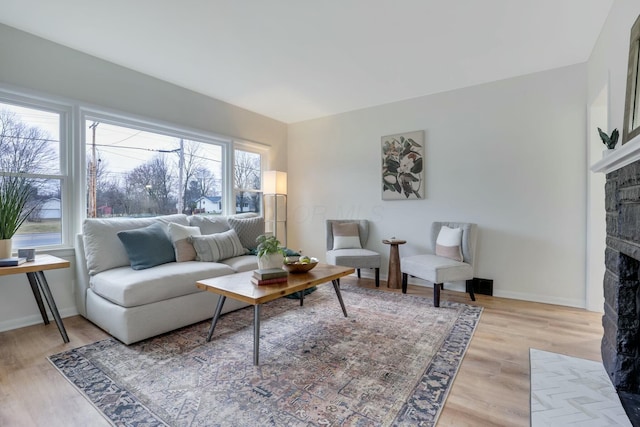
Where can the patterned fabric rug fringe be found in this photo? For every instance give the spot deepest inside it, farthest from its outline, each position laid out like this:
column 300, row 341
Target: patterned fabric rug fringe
column 391, row 362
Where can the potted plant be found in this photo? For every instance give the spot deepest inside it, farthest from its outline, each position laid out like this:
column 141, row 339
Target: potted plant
column 609, row 141
column 270, row 252
column 15, row 194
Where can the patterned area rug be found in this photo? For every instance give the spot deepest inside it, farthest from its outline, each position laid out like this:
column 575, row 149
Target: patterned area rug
column 568, row 391
column 391, row 362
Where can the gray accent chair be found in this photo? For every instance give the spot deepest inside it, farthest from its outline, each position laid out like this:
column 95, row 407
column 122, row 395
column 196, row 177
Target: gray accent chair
column 354, row 258
column 437, row 269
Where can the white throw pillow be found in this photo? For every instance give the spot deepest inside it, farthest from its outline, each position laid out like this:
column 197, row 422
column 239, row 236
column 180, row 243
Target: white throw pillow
column 181, row 244
column 449, row 243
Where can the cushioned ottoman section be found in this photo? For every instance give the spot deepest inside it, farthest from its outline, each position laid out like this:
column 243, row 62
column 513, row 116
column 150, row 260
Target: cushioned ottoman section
column 129, row 288
column 242, row 263
column 137, row 323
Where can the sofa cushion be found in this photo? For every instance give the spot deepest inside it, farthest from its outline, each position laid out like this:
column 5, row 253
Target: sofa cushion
column 129, row 288
column 215, row 247
column 242, row 263
column 248, row 229
column 103, row 248
column 210, row 224
column 182, row 246
column 436, row 269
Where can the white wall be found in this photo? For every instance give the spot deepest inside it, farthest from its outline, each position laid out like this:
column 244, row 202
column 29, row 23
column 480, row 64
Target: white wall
column 45, row 68
column 508, row 155
column 607, row 68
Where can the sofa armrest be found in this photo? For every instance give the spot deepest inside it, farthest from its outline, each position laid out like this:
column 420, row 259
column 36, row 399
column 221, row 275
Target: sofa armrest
column 82, row 277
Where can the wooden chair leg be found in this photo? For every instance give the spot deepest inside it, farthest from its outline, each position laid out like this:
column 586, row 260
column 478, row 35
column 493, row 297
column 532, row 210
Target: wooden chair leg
column 436, row 294
column 404, row 282
column 377, row 277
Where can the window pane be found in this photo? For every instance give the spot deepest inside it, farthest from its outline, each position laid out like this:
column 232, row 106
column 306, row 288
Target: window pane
column 138, row 173
column 247, row 175
column 29, row 140
column 43, row 226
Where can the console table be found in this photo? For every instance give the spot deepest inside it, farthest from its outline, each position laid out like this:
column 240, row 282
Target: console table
column 394, row 280
column 35, row 273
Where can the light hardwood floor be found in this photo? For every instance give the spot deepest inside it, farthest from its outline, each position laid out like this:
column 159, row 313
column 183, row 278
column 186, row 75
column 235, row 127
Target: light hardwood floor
column 491, row 389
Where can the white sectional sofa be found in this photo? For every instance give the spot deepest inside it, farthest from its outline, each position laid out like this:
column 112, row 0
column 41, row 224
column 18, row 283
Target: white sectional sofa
column 135, row 304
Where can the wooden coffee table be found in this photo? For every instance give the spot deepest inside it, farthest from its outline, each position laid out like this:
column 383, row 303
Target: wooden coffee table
column 238, row 286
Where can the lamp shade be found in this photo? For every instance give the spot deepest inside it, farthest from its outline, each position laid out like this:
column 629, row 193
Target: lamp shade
column 274, row 182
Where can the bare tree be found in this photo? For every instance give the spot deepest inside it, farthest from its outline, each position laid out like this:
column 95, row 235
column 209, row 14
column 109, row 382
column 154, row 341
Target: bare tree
column 25, row 148
column 152, row 182
column 246, row 174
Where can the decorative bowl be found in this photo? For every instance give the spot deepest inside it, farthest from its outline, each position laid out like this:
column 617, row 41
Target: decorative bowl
column 296, row 267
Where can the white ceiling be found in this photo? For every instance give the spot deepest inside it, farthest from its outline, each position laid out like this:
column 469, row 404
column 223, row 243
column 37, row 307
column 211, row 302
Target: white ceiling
column 294, row 60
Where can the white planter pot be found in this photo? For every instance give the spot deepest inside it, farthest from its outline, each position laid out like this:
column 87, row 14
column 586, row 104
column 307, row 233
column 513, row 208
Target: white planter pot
column 608, row 151
column 5, row 248
column 270, row 261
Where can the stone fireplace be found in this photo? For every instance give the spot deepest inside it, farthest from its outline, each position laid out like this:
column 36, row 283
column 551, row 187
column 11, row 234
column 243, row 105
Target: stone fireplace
column 621, row 320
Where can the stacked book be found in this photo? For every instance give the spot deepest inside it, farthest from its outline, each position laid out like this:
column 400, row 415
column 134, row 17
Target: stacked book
column 269, row 276
column 12, row 262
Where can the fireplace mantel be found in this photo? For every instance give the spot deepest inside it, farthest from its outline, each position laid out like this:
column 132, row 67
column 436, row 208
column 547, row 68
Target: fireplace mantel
column 620, row 157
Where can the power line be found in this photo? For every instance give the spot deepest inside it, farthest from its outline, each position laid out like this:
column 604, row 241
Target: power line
column 2, row 135
column 175, row 150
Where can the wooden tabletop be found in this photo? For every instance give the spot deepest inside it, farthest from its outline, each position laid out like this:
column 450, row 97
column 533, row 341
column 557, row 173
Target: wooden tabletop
column 238, row 286
column 394, row 242
column 41, row 263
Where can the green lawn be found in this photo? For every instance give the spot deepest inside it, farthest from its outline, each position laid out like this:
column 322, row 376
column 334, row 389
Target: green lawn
column 44, row 226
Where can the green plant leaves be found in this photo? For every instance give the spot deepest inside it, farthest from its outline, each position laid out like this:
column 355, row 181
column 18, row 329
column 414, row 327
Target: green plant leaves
column 609, row 141
column 15, row 194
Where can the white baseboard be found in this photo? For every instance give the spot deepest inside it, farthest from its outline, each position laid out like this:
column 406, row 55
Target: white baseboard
column 524, row 296
column 35, row 319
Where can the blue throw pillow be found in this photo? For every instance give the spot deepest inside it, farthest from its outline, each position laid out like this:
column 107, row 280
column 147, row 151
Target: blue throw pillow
column 148, row 246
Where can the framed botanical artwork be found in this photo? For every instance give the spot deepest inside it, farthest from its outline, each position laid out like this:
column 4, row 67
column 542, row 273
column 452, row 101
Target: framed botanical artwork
column 403, row 166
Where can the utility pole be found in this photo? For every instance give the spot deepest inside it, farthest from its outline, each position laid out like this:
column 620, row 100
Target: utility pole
column 93, row 175
column 180, row 178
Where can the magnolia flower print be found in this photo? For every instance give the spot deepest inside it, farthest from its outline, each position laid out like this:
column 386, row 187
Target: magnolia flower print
column 402, row 166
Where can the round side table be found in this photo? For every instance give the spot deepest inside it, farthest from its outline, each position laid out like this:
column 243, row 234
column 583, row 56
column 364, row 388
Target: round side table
column 394, row 280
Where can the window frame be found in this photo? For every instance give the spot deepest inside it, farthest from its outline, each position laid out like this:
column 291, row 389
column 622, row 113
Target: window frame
column 263, row 152
column 154, row 126
column 65, row 157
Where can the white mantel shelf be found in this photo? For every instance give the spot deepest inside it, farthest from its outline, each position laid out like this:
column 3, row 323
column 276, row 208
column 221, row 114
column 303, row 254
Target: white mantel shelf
column 621, row 156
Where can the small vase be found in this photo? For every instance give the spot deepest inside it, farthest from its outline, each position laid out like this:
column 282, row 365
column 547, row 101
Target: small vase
column 270, row 261
column 5, row 248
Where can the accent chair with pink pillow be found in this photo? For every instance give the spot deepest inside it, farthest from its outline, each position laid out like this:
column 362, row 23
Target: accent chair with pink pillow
column 454, row 245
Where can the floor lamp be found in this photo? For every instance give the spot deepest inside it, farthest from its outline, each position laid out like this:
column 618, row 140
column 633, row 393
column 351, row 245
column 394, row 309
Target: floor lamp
column 274, row 188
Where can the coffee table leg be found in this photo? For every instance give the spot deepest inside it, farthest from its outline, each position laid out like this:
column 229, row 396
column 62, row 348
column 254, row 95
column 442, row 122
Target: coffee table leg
column 36, row 293
column 216, row 316
column 42, row 281
column 336, row 286
column 256, row 334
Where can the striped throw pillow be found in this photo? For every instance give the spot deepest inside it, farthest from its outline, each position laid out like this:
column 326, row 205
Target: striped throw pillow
column 218, row 246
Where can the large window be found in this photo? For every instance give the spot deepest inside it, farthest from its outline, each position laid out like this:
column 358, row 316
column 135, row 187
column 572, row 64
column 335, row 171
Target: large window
column 247, row 178
column 30, row 149
column 134, row 172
